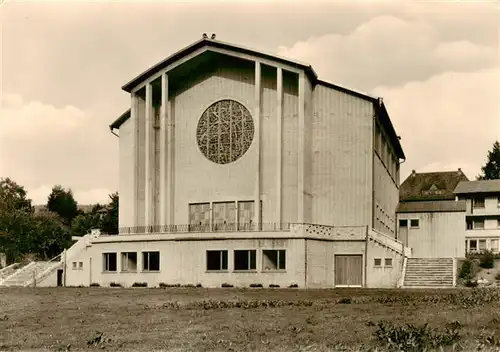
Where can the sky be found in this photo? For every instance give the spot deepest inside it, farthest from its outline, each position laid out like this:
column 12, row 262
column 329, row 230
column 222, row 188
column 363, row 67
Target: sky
column 436, row 65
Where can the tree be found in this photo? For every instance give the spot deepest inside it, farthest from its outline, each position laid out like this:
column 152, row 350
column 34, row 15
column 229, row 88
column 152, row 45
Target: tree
column 61, row 202
column 49, row 236
column 110, row 218
column 491, row 171
column 13, row 197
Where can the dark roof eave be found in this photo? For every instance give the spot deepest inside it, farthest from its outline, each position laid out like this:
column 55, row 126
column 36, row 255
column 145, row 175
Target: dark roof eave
column 384, row 118
column 120, row 120
column 128, row 87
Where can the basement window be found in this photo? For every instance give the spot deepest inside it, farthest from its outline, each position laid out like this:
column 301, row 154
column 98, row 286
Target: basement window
column 217, row 260
column 377, row 262
column 129, row 261
column 245, row 260
column 388, row 262
column 414, row 223
column 273, row 259
column 150, row 261
column 109, row 262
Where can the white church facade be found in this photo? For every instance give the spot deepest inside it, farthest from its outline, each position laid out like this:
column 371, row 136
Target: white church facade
column 238, row 167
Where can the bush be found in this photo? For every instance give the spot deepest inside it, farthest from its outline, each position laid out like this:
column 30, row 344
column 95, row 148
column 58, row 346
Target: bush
column 497, row 276
column 415, row 338
column 198, row 285
column 140, row 284
column 293, row 286
column 95, row 284
column 256, row 285
column 487, row 260
column 467, row 269
column 115, row 284
column 164, row 285
column 225, row 284
column 274, row 286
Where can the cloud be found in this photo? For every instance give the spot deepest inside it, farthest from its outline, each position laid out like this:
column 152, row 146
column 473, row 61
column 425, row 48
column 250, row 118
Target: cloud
column 42, row 145
column 448, row 121
column 389, row 51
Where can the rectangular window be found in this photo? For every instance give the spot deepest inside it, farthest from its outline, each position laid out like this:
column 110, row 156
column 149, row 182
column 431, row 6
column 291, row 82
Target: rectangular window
column 80, row 265
column 414, row 223
column 478, row 202
column 245, row 260
column 494, row 245
column 273, row 259
column 129, row 261
column 469, row 225
column 473, row 245
column 216, row 260
column 246, row 213
column 199, row 217
column 482, row 245
column 388, row 262
column 498, row 223
column 224, row 216
column 109, row 261
column 74, row 265
column 151, row 261
column 377, row 262
column 403, row 223
column 479, row 224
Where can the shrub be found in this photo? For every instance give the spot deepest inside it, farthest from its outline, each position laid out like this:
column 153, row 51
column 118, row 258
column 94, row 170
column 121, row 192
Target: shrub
column 345, row 300
column 470, row 283
column 497, row 276
column 115, row 284
column 487, row 260
column 467, row 269
column 164, row 285
column 256, row 285
column 95, row 284
column 140, row 284
column 225, row 284
column 198, row 285
column 274, row 286
column 293, row 286
column 415, row 338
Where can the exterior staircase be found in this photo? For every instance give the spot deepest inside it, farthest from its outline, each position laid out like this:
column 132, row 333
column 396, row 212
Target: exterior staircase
column 25, row 275
column 429, row 273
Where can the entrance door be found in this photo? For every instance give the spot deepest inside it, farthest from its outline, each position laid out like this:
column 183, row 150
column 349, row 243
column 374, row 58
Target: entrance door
column 59, row 277
column 348, row 270
column 403, row 231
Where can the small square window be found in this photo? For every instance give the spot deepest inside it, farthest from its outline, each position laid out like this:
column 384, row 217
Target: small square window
column 377, row 262
column 74, row 265
column 414, row 223
column 80, row 265
column 388, row 262
column 473, row 245
column 403, row 223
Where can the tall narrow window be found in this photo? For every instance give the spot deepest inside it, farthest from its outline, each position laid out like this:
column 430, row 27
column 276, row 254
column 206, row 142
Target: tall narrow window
column 246, row 213
column 129, row 261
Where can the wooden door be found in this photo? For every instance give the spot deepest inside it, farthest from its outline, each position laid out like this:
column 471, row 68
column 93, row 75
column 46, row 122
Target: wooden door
column 349, row 270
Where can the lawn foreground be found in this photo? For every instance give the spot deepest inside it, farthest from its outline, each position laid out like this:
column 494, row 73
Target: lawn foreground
column 199, row 319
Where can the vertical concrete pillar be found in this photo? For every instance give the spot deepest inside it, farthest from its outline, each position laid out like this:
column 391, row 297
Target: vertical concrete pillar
column 134, row 115
column 170, row 118
column 300, row 143
column 257, row 119
column 149, row 158
column 279, row 140
column 163, row 150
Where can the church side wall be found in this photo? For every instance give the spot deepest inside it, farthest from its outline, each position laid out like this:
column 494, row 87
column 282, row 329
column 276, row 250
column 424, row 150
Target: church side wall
column 341, row 154
column 386, row 195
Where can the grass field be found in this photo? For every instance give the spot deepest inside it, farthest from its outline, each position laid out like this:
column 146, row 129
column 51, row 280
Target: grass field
column 198, row 319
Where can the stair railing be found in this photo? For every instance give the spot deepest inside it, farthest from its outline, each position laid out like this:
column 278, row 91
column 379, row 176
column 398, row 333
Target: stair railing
column 45, row 273
column 17, row 272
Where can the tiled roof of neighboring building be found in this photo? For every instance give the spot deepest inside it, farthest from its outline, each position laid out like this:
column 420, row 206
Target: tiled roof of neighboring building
column 482, row 186
column 431, row 206
column 430, row 186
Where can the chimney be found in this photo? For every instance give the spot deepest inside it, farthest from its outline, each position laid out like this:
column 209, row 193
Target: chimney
column 413, row 172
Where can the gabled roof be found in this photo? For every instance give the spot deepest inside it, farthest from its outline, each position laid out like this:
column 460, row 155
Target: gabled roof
column 378, row 104
column 481, row 186
column 431, row 186
column 431, row 206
